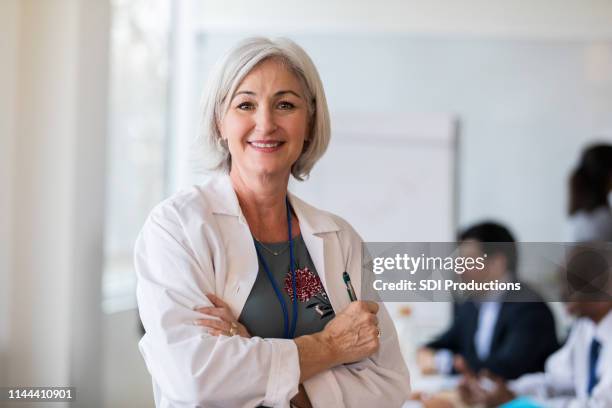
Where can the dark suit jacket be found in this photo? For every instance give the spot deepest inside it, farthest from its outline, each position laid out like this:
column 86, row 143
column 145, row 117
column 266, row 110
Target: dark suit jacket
column 523, row 338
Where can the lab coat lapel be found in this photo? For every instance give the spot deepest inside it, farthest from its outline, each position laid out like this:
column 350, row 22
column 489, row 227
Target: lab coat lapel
column 240, row 260
column 319, row 232
column 244, row 269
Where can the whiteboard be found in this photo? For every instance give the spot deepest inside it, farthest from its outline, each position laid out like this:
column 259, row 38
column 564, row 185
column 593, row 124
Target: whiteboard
column 390, row 175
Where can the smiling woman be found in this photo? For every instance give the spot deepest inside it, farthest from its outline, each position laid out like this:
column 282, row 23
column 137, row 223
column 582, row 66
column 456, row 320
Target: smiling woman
column 266, row 124
column 240, row 284
column 298, row 86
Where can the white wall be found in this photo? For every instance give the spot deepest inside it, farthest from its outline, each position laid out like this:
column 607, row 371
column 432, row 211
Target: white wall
column 516, row 18
column 55, row 136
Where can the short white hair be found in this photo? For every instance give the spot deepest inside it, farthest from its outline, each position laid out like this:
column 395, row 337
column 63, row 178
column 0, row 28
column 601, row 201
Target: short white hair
column 223, row 82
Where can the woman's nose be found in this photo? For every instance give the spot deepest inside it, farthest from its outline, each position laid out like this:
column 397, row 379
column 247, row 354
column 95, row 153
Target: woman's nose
column 265, row 121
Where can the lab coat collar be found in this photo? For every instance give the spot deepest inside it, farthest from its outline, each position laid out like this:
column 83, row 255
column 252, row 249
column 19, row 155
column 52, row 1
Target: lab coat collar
column 225, row 202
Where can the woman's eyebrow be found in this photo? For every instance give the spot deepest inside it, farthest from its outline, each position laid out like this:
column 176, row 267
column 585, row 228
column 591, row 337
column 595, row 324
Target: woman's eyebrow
column 279, row 93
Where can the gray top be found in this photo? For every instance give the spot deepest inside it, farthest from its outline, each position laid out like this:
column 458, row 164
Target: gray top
column 262, row 314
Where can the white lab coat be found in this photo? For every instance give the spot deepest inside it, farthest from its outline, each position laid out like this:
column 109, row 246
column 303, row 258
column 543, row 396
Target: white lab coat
column 198, row 242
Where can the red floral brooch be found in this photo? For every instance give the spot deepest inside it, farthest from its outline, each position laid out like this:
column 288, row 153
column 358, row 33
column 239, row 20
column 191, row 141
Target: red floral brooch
column 307, row 284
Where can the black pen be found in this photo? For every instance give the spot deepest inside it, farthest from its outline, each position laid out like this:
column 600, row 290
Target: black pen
column 349, row 287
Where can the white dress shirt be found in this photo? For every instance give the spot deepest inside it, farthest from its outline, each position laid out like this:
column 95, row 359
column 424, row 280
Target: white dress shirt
column 198, row 242
column 564, row 382
column 488, row 312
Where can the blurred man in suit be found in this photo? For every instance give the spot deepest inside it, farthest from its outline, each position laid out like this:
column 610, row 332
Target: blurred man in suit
column 580, row 373
column 507, row 333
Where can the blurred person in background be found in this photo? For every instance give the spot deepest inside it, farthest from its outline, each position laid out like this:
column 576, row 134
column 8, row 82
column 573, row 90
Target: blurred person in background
column 508, row 333
column 590, row 187
column 240, row 283
column 578, row 375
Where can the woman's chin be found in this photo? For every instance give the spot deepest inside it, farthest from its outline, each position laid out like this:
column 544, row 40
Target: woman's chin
column 270, row 172
column 270, row 168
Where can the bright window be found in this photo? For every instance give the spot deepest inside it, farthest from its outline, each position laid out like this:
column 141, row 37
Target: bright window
column 137, row 153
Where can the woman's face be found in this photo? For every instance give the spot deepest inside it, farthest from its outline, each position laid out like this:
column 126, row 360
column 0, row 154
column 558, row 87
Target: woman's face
column 267, row 121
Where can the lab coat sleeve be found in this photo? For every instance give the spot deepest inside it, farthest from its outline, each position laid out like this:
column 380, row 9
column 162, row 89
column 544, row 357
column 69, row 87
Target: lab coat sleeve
column 382, row 379
column 189, row 367
column 559, row 398
column 600, row 398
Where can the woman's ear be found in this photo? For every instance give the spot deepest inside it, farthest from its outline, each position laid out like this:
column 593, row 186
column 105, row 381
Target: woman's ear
column 219, row 127
column 307, row 142
column 222, row 139
column 223, row 142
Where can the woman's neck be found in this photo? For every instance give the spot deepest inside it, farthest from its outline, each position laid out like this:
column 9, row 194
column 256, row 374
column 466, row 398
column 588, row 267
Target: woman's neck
column 262, row 200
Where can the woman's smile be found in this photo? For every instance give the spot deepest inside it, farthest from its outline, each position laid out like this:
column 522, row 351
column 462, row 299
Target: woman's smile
column 266, row 146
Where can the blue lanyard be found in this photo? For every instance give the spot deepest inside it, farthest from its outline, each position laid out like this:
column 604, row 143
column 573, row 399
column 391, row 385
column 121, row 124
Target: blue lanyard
column 289, row 331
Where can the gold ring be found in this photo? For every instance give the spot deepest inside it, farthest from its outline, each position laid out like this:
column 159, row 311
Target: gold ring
column 233, row 329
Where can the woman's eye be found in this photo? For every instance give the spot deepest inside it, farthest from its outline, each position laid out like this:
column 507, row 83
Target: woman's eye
column 245, row 106
column 286, row 105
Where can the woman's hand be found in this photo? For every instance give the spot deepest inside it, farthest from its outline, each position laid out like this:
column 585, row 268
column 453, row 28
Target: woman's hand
column 350, row 336
column 227, row 325
column 353, row 334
